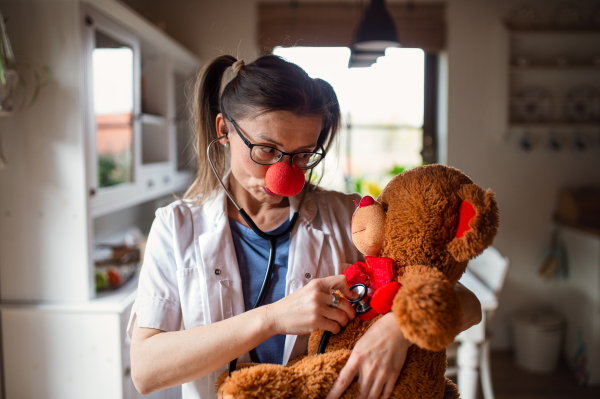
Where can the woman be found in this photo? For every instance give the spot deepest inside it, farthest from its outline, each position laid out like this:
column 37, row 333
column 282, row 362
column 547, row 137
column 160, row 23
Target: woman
column 204, row 267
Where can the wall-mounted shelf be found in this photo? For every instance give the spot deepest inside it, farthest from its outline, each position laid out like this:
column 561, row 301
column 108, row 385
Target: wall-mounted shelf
column 555, row 68
column 548, row 70
column 159, row 187
column 554, row 125
column 553, row 31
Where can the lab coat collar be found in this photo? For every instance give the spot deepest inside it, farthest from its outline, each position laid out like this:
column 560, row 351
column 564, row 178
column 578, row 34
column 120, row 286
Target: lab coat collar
column 216, row 207
column 309, row 207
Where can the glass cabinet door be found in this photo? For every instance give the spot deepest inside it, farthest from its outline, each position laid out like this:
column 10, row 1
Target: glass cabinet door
column 114, row 109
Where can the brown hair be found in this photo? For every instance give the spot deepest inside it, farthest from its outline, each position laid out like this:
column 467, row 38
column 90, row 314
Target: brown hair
column 268, row 84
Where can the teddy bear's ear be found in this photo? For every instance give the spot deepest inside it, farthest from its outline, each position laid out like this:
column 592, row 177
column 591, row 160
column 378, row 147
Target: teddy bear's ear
column 478, row 222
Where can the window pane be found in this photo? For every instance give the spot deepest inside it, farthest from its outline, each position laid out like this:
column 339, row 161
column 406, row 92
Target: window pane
column 383, row 108
column 113, row 108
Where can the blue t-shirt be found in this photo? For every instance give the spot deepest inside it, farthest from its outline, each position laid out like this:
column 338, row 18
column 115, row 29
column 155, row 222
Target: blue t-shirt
column 253, row 255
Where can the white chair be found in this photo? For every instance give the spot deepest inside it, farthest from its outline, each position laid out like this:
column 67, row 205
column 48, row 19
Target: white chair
column 491, row 269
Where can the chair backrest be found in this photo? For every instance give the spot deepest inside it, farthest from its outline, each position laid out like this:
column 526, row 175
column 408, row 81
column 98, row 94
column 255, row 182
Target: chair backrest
column 491, row 268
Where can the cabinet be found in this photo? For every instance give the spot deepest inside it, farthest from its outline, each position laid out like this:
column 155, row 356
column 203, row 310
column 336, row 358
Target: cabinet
column 578, row 298
column 105, row 144
column 89, row 352
column 554, row 87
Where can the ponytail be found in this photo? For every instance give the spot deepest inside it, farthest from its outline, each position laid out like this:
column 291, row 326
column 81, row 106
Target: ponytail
column 207, row 92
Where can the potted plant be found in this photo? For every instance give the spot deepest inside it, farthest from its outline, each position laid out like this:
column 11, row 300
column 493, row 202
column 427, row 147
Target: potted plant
column 8, row 74
column 17, row 73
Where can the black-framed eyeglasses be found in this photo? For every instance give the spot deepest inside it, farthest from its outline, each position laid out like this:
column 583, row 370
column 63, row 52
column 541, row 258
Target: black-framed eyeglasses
column 267, row 155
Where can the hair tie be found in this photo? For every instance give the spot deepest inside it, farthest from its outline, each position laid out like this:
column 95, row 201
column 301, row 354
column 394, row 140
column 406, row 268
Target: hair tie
column 237, row 66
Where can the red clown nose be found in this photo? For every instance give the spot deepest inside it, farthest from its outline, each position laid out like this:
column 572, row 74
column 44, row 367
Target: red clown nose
column 283, row 179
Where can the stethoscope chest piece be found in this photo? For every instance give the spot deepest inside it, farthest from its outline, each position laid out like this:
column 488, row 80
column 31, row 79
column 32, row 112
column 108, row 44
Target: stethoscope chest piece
column 361, row 305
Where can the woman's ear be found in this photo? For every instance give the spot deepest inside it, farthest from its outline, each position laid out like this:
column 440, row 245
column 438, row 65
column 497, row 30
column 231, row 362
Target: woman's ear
column 222, row 129
column 478, row 222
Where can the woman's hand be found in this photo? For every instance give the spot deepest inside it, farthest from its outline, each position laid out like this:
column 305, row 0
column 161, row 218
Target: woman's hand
column 379, row 355
column 307, row 310
column 377, row 358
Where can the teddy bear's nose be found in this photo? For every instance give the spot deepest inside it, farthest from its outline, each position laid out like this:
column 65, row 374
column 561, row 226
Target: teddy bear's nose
column 366, row 201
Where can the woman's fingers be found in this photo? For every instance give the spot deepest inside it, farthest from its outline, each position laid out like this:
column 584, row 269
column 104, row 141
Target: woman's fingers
column 342, row 313
column 376, row 388
column 343, row 381
column 339, row 282
column 365, row 381
column 388, row 389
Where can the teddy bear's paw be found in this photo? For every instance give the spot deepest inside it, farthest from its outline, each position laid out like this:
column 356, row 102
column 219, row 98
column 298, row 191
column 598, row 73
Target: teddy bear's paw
column 427, row 308
column 451, row 391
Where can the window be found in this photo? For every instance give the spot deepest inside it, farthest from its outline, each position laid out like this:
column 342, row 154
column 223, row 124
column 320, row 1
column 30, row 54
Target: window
column 382, row 107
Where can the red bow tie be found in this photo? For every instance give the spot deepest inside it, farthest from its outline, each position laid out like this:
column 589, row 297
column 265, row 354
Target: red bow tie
column 378, row 274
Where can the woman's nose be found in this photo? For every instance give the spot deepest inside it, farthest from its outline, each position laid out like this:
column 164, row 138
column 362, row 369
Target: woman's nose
column 287, row 159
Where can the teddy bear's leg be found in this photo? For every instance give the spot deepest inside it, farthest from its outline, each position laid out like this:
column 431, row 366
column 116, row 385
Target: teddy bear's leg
column 316, row 374
column 451, row 391
column 259, row 381
column 310, row 378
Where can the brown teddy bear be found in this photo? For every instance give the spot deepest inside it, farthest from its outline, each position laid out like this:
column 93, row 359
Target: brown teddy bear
column 429, row 221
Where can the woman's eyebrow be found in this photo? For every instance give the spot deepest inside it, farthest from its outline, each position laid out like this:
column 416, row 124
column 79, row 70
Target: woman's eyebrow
column 270, row 140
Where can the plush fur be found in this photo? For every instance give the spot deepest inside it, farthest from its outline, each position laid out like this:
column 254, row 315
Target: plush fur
column 422, row 213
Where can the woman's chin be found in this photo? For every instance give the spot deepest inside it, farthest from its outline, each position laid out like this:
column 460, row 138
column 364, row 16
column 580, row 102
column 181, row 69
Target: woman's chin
column 271, row 193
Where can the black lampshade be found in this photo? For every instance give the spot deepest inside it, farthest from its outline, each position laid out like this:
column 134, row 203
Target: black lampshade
column 377, row 30
column 364, row 59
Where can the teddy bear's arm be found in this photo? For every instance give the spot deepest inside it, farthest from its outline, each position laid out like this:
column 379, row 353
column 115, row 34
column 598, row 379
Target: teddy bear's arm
column 427, row 308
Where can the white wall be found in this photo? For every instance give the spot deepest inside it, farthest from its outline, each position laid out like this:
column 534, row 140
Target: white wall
column 526, row 183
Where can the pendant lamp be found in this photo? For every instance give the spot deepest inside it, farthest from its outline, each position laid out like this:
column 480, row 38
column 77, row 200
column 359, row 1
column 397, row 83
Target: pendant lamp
column 364, row 59
column 377, row 30
column 375, row 33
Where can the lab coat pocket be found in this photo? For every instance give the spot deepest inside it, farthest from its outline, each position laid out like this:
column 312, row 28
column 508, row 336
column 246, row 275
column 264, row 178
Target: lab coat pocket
column 192, row 295
column 226, row 303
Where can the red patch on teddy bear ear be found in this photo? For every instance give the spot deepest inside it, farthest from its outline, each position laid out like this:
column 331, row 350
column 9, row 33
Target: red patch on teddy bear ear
column 467, row 213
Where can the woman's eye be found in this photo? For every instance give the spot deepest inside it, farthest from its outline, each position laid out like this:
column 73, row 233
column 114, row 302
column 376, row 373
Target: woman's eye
column 267, row 150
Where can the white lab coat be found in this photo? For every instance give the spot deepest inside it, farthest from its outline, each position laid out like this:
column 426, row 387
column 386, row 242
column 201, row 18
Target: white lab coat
column 190, row 275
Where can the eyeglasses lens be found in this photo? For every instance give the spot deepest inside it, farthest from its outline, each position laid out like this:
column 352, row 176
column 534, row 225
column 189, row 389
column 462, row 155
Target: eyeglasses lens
column 268, row 155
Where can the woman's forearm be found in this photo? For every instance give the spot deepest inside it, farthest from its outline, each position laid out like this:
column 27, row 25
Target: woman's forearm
column 164, row 359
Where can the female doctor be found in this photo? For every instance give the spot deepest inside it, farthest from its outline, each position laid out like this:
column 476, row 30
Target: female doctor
column 204, row 267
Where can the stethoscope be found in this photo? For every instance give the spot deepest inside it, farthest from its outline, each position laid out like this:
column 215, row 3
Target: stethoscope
column 271, row 238
column 361, row 305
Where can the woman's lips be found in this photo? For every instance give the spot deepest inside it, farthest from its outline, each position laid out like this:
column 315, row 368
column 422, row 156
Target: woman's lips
column 271, row 192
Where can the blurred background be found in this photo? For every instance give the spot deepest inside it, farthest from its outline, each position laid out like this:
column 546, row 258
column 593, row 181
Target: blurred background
column 94, row 136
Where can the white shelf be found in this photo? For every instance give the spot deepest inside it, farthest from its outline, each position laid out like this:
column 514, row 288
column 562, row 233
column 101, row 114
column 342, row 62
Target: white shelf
column 149, row 119
column 115, row 301
column 177, row 183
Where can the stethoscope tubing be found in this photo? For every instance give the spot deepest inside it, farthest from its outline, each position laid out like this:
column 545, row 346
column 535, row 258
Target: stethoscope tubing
column 271, row 238
column 327, row 334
